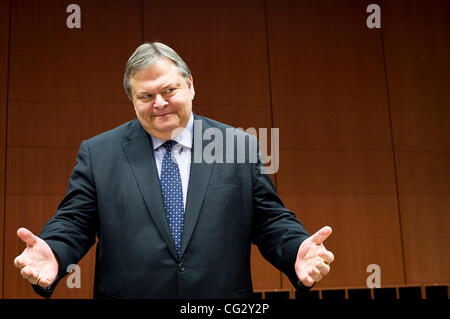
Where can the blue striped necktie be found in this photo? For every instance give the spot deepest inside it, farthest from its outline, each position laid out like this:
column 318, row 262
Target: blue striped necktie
column 172, row 193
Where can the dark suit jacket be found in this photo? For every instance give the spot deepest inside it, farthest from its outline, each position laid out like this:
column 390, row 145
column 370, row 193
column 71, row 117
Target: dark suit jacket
column 114, row 194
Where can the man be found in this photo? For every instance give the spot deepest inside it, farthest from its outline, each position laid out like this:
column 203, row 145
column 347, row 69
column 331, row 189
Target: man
column 167, row 226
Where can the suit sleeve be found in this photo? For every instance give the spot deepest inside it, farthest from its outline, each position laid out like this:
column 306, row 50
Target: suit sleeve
column 276, row 230
column 71, row 232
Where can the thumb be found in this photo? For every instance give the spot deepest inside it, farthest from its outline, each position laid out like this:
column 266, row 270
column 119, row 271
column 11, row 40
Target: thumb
column 27, row 236
column 321, row 235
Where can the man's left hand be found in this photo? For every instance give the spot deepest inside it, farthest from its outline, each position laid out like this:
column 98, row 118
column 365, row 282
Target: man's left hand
column 313, row 260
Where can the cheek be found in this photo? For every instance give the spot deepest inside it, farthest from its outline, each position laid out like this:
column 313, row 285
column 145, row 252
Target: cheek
column 142, row 109
column 182, row 103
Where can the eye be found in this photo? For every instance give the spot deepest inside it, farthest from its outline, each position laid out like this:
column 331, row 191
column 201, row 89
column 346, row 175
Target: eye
column 146, row 97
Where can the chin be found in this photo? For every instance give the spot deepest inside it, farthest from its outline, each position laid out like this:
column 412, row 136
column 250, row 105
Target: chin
column 165, row 130
column 167, row 127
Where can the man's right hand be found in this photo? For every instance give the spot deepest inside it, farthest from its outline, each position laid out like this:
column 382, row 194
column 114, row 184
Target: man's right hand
column 37, row 263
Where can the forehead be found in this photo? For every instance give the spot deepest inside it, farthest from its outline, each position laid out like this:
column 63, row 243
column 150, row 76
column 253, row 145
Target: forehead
column 158, row 73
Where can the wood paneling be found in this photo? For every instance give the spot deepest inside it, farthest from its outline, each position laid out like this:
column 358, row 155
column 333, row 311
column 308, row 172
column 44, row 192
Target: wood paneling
column 423, row 173
column 109, row 29
column 224, row 44
column 365, row 231
column 336, row 172
column 4, row 50
column 304, row 128
column 39, row 170
column 2, row 213
column 418, row 89
column 354, row 193
column 323, row 55
column 336, row 160
column 65, row 86
column 425, row 227
column 425, row 131
column 63, row 124
column 4, row 43
column 67, row 79
column 417, row 49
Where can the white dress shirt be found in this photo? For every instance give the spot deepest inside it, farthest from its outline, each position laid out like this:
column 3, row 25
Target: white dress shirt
column 182, row 154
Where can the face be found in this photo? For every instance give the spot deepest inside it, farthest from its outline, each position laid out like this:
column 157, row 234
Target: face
column 162, row 99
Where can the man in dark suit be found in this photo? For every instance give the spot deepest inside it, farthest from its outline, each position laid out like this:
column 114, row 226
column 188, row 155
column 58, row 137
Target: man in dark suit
column 168, row 225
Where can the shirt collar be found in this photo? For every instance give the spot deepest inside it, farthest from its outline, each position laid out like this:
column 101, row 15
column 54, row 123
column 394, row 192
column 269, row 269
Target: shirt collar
column 184, row 137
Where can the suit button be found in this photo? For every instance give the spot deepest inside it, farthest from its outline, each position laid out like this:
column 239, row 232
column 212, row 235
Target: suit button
column 181, row 267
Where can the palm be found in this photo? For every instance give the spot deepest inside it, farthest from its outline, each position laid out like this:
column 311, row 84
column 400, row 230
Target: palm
column 313, row 259
column 309, row 250
column 37, row 262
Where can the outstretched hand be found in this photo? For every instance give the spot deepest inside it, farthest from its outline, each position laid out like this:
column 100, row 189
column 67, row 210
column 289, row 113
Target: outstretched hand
column 313, row 260
column 37, row 263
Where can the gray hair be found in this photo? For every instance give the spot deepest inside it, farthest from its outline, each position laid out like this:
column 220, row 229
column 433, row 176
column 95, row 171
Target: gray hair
column 145, row 55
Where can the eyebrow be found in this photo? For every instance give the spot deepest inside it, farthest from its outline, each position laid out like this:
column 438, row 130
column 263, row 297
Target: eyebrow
column 166, row 86
column 162, row 88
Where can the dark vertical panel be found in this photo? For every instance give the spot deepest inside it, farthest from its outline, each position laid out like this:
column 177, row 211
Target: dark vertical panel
column 4, row 49
column 336, row 159
column 224, row 44
column 65, row 86
column 417, row 46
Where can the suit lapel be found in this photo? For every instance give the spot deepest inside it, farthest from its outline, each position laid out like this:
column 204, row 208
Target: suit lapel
column 139, row 152
column 198, row 183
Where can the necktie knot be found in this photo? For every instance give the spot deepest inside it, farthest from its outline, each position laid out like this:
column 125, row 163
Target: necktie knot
column 169, row 145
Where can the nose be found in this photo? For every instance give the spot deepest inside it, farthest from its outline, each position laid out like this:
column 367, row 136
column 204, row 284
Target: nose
column 159, row 101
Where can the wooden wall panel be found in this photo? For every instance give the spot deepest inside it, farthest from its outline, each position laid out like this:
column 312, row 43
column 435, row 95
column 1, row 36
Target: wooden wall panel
column 335, row 172
column 224, row 44
column 65, row 86
column 336, row 163
column 417, row 49
column 39, row 170
column 425, row 220
column 4, row 50
column 67, row 79
column 421, row 130
column 2, row 216
column 346, row 128
column 323, row 55
column 369, row 242
column 64, row 126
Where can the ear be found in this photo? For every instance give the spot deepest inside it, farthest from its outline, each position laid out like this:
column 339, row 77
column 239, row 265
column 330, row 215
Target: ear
column 191, row 86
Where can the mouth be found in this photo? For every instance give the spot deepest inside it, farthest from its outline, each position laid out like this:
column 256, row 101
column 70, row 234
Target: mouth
column 162, row 115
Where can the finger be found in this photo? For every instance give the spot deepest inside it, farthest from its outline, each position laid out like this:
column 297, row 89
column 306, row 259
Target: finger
column 25, row 272
column 33, row 278
column 327, row 256
column 323, row 268
column 43, row 282
column 321, row 235
column 30, row 275
column 307, row 280
column 315, row 274
column 19, row 262
column 27, row 236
